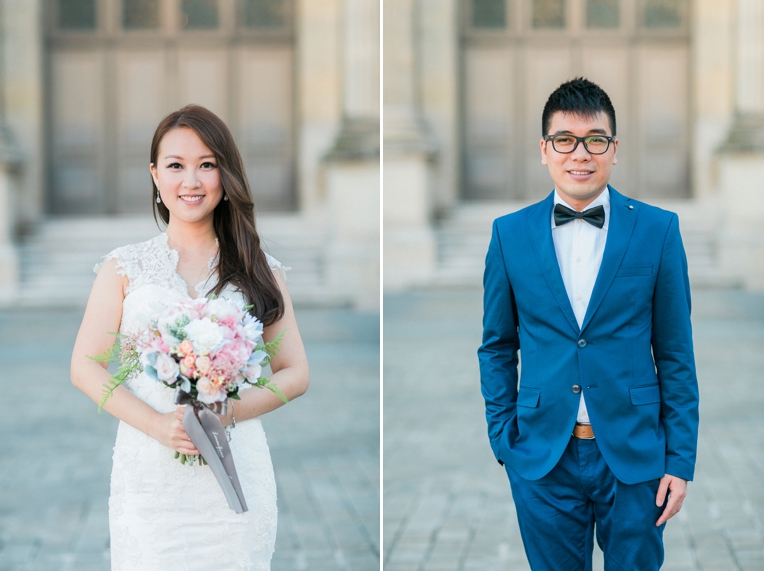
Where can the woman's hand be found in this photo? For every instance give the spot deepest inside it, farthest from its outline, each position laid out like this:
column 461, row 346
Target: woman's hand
column 169, row 432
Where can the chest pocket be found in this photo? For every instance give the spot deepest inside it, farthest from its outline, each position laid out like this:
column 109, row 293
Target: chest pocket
column 631, row 271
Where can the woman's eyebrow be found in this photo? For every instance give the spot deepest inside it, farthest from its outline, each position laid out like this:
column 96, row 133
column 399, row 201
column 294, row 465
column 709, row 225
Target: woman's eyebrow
column 179, row 157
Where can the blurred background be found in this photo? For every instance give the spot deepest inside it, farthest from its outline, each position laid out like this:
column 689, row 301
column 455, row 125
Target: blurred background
column 83, row 84
column 465, row 82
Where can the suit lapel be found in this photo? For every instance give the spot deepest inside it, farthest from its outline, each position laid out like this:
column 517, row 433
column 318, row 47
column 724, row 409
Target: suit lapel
column 539, row 224
column 623, row 215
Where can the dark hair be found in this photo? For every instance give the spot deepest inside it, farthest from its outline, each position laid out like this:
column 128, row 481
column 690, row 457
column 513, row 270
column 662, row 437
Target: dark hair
column 581, row 97
column 241, row 261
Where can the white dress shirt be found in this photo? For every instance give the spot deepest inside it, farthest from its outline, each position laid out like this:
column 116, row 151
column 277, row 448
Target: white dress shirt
column 579, row 247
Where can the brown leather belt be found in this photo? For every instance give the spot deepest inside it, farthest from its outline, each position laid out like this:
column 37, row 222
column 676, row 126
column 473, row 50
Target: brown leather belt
column 583, row 431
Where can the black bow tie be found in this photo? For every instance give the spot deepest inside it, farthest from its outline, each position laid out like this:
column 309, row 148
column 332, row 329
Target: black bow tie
column 594, row 216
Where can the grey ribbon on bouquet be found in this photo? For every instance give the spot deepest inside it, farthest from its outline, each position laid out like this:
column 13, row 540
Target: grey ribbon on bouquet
column 203, row 426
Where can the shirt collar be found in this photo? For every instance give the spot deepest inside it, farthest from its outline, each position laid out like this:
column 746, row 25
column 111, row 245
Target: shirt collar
column 602, row 200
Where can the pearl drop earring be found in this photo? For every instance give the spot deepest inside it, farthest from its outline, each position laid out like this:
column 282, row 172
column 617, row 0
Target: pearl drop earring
column 158, row 199
column 225, row 197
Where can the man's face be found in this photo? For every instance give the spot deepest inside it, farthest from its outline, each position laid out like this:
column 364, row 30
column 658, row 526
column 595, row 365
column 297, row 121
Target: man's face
column 580, row 176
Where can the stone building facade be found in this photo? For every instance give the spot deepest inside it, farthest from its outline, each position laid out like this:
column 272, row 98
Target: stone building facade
column 465, row 83
column 85, row 82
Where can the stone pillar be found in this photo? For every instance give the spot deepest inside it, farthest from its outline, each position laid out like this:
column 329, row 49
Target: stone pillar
column 712, row 76
column 749, row 81
column 352, row 165
column 741, row 157
column 10, row 160
column 319, row 92
column 409, row 152
column 9, row 261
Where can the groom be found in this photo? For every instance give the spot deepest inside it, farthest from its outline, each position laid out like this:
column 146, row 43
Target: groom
column 590, row 287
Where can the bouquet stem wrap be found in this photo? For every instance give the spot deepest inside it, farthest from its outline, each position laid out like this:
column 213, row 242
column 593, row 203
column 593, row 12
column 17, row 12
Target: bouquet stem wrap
column 203, row 426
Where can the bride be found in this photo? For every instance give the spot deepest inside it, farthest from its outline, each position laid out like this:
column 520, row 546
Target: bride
column 164, row 515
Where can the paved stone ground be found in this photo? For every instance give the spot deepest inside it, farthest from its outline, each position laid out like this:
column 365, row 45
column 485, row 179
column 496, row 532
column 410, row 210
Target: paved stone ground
column 55, row 450
column 447, row 503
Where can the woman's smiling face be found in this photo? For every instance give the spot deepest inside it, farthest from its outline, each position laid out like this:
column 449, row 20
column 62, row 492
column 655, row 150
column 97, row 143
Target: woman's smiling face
column 187, row 176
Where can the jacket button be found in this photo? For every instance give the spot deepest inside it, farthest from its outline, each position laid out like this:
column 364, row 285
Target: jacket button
column 582, row 343
column 576, row 389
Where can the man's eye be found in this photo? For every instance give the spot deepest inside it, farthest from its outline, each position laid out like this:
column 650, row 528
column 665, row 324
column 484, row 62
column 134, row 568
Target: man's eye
column 596, row 140
column 564, row 140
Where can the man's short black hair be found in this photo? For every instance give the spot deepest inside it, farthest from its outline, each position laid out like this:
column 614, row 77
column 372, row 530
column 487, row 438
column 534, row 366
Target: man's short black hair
column 581, row 97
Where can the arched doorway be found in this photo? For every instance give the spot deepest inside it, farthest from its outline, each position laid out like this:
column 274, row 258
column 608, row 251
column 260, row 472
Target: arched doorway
column 116, row 67
column 515, row 52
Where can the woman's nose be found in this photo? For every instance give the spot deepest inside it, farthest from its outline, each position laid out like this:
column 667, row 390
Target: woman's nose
column 190, row 180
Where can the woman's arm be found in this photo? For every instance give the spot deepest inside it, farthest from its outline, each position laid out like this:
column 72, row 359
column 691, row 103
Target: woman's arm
column 289, row 366
column 103, row 315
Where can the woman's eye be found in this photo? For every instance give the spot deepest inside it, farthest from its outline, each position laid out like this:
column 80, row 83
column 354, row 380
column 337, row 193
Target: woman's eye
column 209, row 165
column 175, row 166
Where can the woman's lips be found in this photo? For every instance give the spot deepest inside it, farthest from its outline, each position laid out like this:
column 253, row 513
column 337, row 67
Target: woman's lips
column 191, row 199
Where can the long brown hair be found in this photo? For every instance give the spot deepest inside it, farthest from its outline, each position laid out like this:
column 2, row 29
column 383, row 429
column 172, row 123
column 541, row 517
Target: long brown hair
column 241, row 261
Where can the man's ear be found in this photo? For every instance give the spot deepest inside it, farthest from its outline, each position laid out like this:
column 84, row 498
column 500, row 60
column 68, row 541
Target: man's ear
column 615, row 151
column 542, row 144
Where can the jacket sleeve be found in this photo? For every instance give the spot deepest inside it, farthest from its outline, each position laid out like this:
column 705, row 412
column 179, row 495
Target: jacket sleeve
column 498, row 354
column 674, row 356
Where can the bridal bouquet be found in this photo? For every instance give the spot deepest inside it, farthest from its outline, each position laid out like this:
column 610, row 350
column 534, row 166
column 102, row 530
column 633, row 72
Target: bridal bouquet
column 207, row 350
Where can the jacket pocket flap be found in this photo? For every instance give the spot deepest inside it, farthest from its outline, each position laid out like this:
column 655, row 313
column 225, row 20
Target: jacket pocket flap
column 628, row 271
column 528, row 397
column 645, row 395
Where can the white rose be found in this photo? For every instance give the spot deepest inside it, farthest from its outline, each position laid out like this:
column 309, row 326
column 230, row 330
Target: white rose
column 253, row 372
column 167, row 368
column 221, row 309
column 205, row 335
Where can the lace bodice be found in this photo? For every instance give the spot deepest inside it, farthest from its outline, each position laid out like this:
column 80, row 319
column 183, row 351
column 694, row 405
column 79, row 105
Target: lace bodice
column 164, row 515
column 153, row 264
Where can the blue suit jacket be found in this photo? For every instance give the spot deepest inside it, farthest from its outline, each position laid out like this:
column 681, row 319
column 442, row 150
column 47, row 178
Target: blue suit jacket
column 632, row 357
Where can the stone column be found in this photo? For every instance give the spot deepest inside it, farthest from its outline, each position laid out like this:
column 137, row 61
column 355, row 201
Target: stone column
column 741, row 157
column 409, row 152
column 10, row 161
column 749, row 93
column 352, row 165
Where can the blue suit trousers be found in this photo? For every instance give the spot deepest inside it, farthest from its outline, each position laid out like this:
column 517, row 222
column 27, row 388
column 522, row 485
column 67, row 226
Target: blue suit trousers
column 557, row 515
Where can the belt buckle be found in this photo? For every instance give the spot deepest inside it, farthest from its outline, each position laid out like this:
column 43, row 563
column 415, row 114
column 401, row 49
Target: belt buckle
column 585, row 432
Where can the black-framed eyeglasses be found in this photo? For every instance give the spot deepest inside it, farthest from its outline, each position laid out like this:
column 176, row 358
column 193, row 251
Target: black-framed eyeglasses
column 594, row 144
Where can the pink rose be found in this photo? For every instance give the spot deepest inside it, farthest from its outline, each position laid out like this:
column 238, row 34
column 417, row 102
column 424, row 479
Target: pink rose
column 166, row 368
column 186, row 370
column 185, row 348
column 189, row 359
column 203, row 364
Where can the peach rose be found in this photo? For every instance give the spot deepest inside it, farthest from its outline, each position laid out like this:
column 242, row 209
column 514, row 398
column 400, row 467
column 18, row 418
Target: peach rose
column 203, row 364
column 186, row 347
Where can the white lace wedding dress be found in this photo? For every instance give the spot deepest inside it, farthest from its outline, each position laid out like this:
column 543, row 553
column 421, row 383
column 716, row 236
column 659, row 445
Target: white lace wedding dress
column 163, row 515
